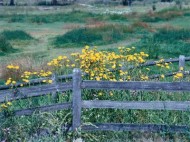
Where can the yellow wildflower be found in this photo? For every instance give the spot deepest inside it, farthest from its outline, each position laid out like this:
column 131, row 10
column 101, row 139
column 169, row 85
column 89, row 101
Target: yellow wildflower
column 50, row 81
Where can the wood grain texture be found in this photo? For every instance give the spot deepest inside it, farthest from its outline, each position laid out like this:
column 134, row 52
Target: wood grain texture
column 26, row 92
column 135, row 127
column 137, row 85
column 35, row 81
column 140, row 105
column 48, row 108
column 77, row 100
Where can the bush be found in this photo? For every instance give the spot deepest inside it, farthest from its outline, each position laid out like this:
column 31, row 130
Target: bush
column 16, row 35
column 172, row 35
column 106, row 34
column 5, row 46
column 166, row 43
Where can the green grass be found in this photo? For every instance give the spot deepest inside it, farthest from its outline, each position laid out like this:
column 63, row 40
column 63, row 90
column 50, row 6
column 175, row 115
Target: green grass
column 16, row 35
column 73, row 16
column 163, row 15
column 166, row 43
column 92, row 36
column 5, row 46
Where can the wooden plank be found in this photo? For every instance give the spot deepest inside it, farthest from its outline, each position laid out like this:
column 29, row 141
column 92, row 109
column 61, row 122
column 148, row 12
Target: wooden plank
column 54, row 107
column 168, row 74
column 140, row 105
column 137, row 85
column 181, row 62
column 136, row 127
column 76, row 99
column 152, row 63
column 33, row 91
column 69, row 76
column 36, row 81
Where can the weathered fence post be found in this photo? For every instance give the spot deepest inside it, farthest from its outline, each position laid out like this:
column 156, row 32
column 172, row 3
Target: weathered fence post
column 76, row 99
column 54, row 81
column 181, row 62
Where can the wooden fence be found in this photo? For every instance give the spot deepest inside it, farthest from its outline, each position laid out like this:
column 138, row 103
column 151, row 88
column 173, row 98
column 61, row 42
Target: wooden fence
column 76, row 105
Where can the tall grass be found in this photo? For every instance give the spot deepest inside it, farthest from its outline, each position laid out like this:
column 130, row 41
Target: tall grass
column 105, row 34
column 73, row 16
column 166, row 43
column 5, row 46
column 164, row 15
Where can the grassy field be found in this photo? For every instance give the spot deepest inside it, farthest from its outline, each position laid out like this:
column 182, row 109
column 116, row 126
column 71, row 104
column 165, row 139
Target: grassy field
column 32, row 36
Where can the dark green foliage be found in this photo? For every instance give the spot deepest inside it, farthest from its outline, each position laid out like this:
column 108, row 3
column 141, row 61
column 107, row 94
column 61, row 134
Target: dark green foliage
column 16, row 35
column 92, row 36
column 187, row 14
column 166, row 43
column 164, row 15
column 5, row 46
column 40, row 3
column 74, row 16
column 172, row 35
column 16, row 18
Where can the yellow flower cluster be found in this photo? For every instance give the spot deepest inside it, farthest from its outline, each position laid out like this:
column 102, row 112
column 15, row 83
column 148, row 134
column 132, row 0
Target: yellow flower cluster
column 178, row 75
column 144, row 77
column 11, row 66
column 43, row 73
column 162, row 64
column 5, row 105
column 10, row 81
column 59, row 61
column 98, row 63
column 27, row 75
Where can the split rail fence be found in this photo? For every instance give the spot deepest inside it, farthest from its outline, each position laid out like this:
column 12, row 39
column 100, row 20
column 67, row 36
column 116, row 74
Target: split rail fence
column 77, row 85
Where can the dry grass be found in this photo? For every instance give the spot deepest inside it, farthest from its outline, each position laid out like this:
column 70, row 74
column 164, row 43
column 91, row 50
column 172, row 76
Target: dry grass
column 25, row 64
column 93, row 23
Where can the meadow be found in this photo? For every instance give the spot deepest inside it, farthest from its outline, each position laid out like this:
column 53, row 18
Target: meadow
column 38, row 41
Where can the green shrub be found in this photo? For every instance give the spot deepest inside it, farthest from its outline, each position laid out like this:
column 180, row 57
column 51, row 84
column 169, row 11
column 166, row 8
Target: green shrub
column 16, row 18
column 166, row 43
column 172, row 35
column 92, row 36
column 16, row 35
column 5, row 46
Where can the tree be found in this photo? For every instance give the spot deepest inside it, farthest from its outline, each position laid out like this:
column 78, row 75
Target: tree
column 127, row 2
column 12, row 2
column 54, row 2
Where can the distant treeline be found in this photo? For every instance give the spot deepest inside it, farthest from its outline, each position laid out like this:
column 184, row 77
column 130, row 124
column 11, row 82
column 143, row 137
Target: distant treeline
column 65, row 2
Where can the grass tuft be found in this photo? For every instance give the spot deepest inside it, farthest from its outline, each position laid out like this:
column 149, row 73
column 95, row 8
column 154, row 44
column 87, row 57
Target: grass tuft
column 166, row 43
column 99, row 35
column 5, row 46
column 16, row 35
column 164, row 15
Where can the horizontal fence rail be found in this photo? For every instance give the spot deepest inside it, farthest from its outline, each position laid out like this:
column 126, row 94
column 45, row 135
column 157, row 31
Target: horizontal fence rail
column 136, row 127
column 152, row 63
column 49, row 108
column 139, row 105
column 33, row 91
column 35, row 81
column 137, row 85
